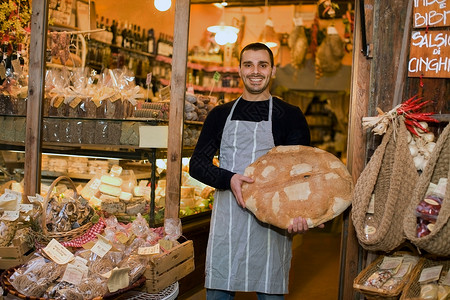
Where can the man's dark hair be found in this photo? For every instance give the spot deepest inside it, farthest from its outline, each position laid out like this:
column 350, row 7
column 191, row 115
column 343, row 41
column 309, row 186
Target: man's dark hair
column 256, row 47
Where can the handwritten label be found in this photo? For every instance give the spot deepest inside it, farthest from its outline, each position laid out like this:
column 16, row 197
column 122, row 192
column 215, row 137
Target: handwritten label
column 164, row 93
column 404, row 269
column 391, row 262
column 149, row 79
column 58, row 253
column 10, row 215
column 74, row 273
column 102, row 246
column 25, row 207
column 148, row 250
column 430, row 274
column 431, row 13
column 429, row 54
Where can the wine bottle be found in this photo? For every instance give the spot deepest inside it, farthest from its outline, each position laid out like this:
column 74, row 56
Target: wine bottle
column 151, row 41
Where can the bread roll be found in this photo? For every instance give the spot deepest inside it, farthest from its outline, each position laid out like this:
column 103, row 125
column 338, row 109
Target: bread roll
column 297, row 181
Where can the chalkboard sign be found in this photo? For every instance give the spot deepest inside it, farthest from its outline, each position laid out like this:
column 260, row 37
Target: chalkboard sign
column 429, row 54
column 431, row 13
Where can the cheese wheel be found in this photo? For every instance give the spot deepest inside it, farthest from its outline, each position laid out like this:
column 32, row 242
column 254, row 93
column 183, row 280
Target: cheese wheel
column 115, row 181
column 110, row 189
column 297, row 181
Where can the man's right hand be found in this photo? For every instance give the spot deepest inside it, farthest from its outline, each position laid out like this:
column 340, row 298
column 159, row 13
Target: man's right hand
column 236, row 187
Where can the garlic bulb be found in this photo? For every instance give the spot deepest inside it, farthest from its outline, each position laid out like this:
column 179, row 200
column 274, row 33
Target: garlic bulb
column 428, row 137
column 430, row 146
column 419, row 162
column 424, row 125
column 413, row 149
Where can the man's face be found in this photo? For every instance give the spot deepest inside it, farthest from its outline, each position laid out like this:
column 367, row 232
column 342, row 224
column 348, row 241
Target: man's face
column 256, row 71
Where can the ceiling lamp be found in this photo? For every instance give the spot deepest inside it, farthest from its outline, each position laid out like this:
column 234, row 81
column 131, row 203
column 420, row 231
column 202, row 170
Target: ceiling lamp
column 268, row 35
column 163, row 5
column 224, row 34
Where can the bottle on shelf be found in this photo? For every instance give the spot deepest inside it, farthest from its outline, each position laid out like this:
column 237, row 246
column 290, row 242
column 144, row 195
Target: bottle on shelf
column 144, row 40
column 119, row 33
column 137, row 37
column 125, row 35
column 113, row 29
column 130, row 37
column 150, row 41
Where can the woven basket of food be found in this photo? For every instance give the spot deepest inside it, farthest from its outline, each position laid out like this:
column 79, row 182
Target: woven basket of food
column 385, row 277
column 88, row 289
column 426, row 222
column 383, row 191
column 65, row 216
column 428, row 289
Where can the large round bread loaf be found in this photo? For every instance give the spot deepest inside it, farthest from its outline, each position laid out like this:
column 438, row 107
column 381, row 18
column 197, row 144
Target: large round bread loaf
column 297, row 181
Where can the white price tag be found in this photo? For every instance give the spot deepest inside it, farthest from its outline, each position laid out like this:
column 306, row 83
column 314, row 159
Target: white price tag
column 75, row 273
column 102, row 246
column 25, row 207
column 149, row 250
column 58, row 253
column 430, row 274
column 390, row 262
column 404, row 269
column 10, row 215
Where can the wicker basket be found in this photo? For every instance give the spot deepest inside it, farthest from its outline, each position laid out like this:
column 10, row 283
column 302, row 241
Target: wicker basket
column 372, row 293
column 438, row 241
column 391, row 176
column 60, row 236
column 8, row 288
column 412, row 288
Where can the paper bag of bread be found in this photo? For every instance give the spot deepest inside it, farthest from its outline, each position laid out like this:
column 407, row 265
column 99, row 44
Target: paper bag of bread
column 297, row 181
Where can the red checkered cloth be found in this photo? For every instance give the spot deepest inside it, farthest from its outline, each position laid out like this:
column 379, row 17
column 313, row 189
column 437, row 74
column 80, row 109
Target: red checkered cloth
column 88, row 236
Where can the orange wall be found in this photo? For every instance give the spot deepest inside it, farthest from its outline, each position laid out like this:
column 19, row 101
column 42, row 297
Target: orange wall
column 143, row 13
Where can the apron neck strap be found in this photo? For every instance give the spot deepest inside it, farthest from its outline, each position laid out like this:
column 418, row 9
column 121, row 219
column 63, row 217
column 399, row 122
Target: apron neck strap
column 240, row 97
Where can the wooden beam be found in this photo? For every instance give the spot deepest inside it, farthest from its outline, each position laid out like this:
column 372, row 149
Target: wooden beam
column 36, row 85
column 176, row 118
column 359, row 99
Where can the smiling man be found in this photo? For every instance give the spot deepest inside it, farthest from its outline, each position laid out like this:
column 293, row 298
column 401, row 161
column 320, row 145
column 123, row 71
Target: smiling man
column 244, row 254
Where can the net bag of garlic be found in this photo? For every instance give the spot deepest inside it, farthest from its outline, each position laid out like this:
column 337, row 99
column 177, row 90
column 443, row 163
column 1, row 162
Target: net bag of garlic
column 297, row 181
column 383, row 191
column 426, row 220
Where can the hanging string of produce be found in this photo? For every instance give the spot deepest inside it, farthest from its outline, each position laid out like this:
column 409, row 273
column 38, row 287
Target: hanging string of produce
column 421, row 141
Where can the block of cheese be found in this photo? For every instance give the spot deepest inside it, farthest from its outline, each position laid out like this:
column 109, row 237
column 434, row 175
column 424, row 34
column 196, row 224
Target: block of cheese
column 108, row 198
column 111, row 180
column 125, row 196
column 297, row 181
column 110, row 189
column 187, row 192
column 113, row 207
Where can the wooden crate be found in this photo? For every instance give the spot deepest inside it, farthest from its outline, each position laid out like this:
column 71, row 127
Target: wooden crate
column 16, row 254
column 167, row 268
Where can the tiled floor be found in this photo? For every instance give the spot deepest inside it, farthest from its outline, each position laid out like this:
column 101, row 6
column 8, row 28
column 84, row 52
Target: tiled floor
column 314, row 271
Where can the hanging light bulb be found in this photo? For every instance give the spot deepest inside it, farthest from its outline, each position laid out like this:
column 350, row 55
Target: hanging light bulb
column 163, row 5
column 224, row 34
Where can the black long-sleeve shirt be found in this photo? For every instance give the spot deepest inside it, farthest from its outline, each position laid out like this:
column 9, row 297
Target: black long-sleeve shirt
column 289, row 127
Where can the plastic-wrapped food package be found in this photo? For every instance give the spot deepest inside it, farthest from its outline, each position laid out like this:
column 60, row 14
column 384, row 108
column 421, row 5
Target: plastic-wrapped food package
column 137, row 265
column 75, row 131
column 89, row 132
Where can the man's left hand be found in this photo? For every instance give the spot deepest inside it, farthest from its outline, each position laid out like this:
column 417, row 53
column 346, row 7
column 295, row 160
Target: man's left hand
column 299, row 225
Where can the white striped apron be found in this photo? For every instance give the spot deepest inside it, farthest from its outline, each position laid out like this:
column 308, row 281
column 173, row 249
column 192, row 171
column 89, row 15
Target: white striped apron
column 244, row 254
